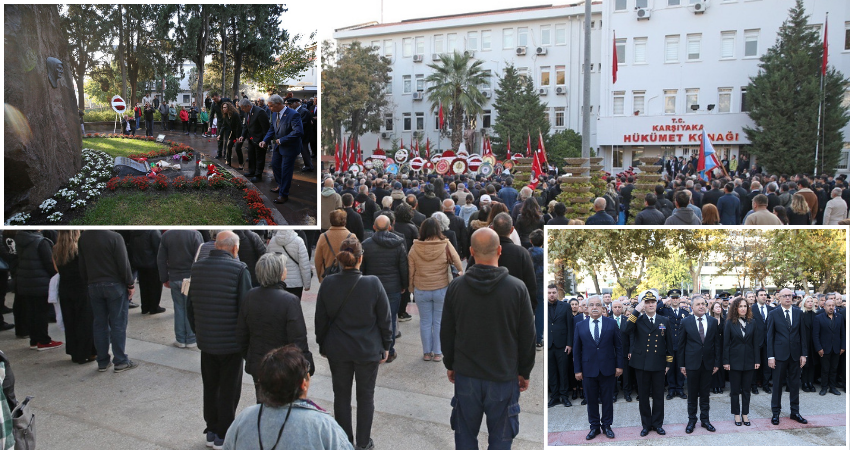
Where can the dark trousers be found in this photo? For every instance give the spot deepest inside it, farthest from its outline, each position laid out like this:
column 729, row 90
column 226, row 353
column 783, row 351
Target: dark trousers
column 149, row 127
column 256, row 158
column 650, row 416
column 474, row 398
column 343, row 373
column 598, row 389
column 194, row 124
column 305, row 152
column 79, row 323
column 559, row 374
column 19, row 312
column 699, row 382
column 295, row 291
column 37, row 310
column 405, row 299
column 185, row 125
column 171, row 124
column 222, row 378
column 738, row 382
column 764, row 372
column 675, row 379
column 233, row 148
column 150, row 289
column 807, row 373
column 718, row 380
column 395, row 300
column 828, row 370
column 165, row 122
column 626, row 380
column 787, row 371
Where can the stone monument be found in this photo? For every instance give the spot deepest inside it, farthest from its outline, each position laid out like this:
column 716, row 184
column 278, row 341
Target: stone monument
column 43, row 140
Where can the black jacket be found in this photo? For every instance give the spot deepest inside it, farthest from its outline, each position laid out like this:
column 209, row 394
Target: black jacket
column 251, row 248
column 741, row 351
column 429, row 204
column 144, row 245
column 362, row 330
column 650, row 216
column 561, row 325
column 558, row 220
column 269, row 318
column 712, row 196
column 35, row 264
column 354, row 223
column 103, row 258
column 256, row 125
column 651, row 346
column 784, row 344
column 456, row 224
column 409, row 231
column 487, row 330
column 518, row 262
column 694, row 353
column 385, row 256
column 219, row 284
column 828, row 335
column 367, row 209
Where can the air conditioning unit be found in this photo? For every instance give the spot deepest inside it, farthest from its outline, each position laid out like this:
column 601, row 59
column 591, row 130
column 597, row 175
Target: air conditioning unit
column 487, row 94
column 699, row 7
column 418, row 95
column 543, row 91
column 417, row 58
column 386, row 135
column 643, row 13
column 542, row 50
column 561, row 90
column 435, row 56
column 469, row 53
column 520, row 51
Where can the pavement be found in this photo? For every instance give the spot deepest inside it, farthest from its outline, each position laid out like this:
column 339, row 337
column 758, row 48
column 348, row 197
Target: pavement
column 827, row 417
column 159, row 404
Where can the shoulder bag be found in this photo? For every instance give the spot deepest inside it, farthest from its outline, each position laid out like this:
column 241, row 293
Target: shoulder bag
column 453, row 273
column 334, row 268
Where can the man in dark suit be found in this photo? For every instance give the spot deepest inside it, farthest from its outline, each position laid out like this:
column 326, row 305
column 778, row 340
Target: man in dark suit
column 598, row 360
column 713, row 195
column 828, row 337
column 787, row 349
column 699, row 358
column 285, row 130
column 761, row 309
column 627, row 378
column 675, row 379
column 254, row 130
column 560, row 346
column 652, row 357
column 306, row 120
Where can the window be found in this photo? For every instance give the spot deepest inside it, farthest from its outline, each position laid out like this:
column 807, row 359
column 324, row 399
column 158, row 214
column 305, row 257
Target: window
column 670, row 101
column 691, row 100
column 522, row 72
column 617, row 156
column 439, row 44
column 388, row 121
column 407, row 47
column 472, row 40
column 452, row 40
column 547, row 115
column 641, row 3
column 544, row 76
column 751, row 42
column 420, row 83
column 560, row 75
column 508, row 38
column 485, row 118
column 619, row 103
column 388, row 88
column 639, row 102
column 560, row 34
column 846, row 35
column 420, row 121
column 621, row 51
column 485, row 41
column 522, row 36
column 420, row 45
column 620, row 5
column 376, row 45
column 559, row 116
column 545, row 35
column 640, row 50
column 486, row 84
column 724, row 100
column 388, row 48
column 671, row 49
column 405, row 122
column 437, row 120
column 727, row 44
column 406, row 86
column 694, row 46
column 186, row 98
column 674, row 2
column 745, row 106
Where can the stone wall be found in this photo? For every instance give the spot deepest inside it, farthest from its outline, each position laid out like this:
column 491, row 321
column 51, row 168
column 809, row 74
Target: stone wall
column 43, row 140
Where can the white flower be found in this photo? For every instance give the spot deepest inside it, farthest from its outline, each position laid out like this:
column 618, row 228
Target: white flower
column 78, row 203
column 18, row 219
column 55, row 217
column 47, row 205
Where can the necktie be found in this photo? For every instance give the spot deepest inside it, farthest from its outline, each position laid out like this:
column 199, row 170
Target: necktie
column 763, row 314
column 618, row 322
column 651, row 322
column 787, row 319
column 596, row 330
column 277, row 123
column 701, row 330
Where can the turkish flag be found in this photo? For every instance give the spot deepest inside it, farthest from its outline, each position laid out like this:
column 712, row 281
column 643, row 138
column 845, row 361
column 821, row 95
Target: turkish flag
column 614, row 63
column 336, row 157
column 825, row 47
column 442, row 122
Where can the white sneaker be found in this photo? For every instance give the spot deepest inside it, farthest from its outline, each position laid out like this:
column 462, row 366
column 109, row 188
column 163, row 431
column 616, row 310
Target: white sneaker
column 192, row 345
column 179, row 344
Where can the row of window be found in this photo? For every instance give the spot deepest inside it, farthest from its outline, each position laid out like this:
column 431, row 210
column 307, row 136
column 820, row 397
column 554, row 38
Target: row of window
column 692, row 102
column 693, row 47
column 622, row 5
column 416, row 121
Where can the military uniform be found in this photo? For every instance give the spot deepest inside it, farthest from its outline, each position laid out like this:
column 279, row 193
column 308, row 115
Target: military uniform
column 675, row 379
column 651, row 352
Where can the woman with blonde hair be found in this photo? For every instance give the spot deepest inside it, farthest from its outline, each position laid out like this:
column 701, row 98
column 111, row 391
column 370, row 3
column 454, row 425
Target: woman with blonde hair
column 612, row 202
column 73, row 301
column 231, row 129
column 807, row 304
column 798, row 214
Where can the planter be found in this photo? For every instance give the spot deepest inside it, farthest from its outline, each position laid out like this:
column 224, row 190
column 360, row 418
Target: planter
column 576, row 169
column 577, row 189
column 596, row 167
column 522, row 176
column 649, row 187
column 570, row 179
column 575, row 161
column 525, row 161
column 579, row 200
column 595, row 160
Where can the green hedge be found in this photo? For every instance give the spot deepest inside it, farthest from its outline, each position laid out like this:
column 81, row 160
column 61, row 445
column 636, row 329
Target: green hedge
column 109, row 116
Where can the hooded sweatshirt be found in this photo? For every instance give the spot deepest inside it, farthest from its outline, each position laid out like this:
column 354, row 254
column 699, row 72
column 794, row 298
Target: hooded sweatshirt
column 682, row 216
column 428, row 265
column 488, row 326
column 330, row 201
column 466, row 211
column 398, row 197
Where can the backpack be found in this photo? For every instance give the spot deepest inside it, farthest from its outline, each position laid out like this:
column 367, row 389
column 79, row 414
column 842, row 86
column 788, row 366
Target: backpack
column 334, row 268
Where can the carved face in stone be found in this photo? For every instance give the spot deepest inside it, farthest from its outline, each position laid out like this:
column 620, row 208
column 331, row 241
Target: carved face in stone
column 55, row 71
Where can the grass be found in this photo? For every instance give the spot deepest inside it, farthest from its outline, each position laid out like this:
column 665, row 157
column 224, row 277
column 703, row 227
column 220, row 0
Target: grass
column 141, row 208
column 121, row 147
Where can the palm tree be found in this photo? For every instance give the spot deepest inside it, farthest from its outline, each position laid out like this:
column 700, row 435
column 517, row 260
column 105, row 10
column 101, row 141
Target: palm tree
column 455, row 85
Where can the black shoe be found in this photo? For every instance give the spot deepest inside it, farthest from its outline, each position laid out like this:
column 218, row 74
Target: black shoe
column 307, row 169
column 256, row 179
column 608, row 433
column 5, row 309
column 575, row 395
column 799, row 418
column 691, row 425
column 593, row 433
column 755, row 390
column 823, row 391
column 615, row 399
column 737, row 423
column 581, row 393
column 247, row 174
column 746, row 422
column 133, row 305
column 660, row 431
column 281, row 200
column 566, row 401
column 670, row 395
column 644, row 432
column 391, row 358
column 627, row 397
column 767, row 390
column 157, row 310
column 554, row 401
column 787, row 388
column 683, row 395
column 831, row 390
column 708, row 426
column 584, row 401
column 7, row 326
column 775, row 419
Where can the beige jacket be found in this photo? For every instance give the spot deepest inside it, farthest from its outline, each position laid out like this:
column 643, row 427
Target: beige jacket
column 324, row 255
column 330, row 202
column 428, row 266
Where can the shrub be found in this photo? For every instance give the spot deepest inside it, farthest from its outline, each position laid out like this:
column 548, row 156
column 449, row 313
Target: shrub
column 200, row 182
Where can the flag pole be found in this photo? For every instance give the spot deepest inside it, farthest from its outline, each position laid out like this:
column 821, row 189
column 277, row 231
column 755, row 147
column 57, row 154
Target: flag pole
column 821, row 93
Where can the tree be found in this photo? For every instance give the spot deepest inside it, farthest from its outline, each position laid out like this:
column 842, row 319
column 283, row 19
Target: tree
column 784, row 99
column 519, row 114
column 353, row 81
column 563, row 144
column 697, row 246
column 744, row 255
column 86, row 39
column 192, row 35
column 667, row 273
column 290, row 63
column 455, row 84
column 808, row 258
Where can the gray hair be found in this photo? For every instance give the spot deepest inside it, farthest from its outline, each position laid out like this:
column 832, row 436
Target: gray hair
column 226, row 240
column 387, row 201
column 276, row 99
column 525, row 193
column 245, row 102
column 261, row 99
column 270, row 269
column 836, row 192
column 696, row 297
column 588, row 299
column 442, row 219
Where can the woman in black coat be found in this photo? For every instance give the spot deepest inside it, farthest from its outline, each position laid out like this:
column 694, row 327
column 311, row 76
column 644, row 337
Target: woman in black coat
column 741, row 340
column 73, row 301
column 144, row 247
column 270, row 317
column 231, row 129
column 808, row 371
column 354, row 331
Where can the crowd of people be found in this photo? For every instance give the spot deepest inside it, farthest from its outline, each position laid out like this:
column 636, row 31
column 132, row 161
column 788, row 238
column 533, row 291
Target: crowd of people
column 600, row 346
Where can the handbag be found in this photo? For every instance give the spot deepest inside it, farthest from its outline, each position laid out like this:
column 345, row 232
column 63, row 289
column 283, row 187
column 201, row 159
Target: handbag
column 333, row 320
column 184, row 287
column 453, row 273
column 334, row 268
column 23, row 426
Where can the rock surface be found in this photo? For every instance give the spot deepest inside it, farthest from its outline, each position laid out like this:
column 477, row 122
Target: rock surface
column 43, row 140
